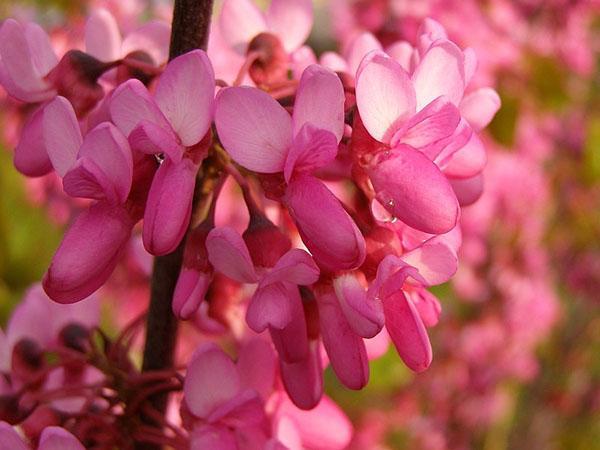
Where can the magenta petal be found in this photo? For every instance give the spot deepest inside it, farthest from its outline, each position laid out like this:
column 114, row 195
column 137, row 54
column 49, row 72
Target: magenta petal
column 440, row 72
column 385, row 96
column 189, row 292
column 296, row 266
column 169, row 206
column 213, row 437
column 291, row 21
column 407, row 331
column 256, row 365
column 148, row 137
column 102, row 36
column 364, row 314
column 270, row 306
column 291, row 342
column 427, row 305
column 31, row 157
column 62, row 135
column 240, row 21
column 479, row 107
column 88, row 253
column 303, row 380
column 434, row 259
column 245, row 409
column 325, row 227
column 320, row 101
column 467, row 161
column 10, row 439
column 228, row 254
column 185, row 94
column 56, row 438
column 254, row 129
column 412, row 187
column 86, row 180
column 312, row 149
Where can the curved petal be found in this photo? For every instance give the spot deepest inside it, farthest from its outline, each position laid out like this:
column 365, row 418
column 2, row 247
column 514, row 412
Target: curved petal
column 312, row 149
column 296, row 266
column 428, row 306
column 211, row 380
column 148, row 137
column 479, row 107
column 385, row 96
column 185, row 94
column 189, row 292
column 31, row 157
column 245, row 409
column 228, row 254
column 440, row 72
column 10, row 439
column 291, row 21
column 364, row 314
column 215, row 437
column 270, row 306
column 325, row 227
column 42, row 54
column 56, row 438
column 88, row 253
column 240, row 21
column 291, row 342
column 102, row 36
column 62, row 135
column 257, row 366
column 407, row 331
column 434, row 259
column 333, row 61
column 363, row 44
column 468, row 190
column 467, row 161
column 411, row 186
column 303, row 380
column 254, row 129
column 402, row 52
column 169, row 206
column 153, row 38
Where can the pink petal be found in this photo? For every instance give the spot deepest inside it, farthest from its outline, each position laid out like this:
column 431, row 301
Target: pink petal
column 153, row 38
column 412, row 187
column 214, row 437
column 291, row 21
column 364, row 314
column 434, row 259
column 402, row 52
column 169, row 206
column 56, row 438
column 245, row 409
column 88, row 253
column 471, row 64
column 333, row 61
column 270, row 306
column 296, row 266
column 254, row 129
column 10, row 439
column 300, row 59
column 31, row 157
column 22, row 66
column 427, row 305
column 384, row 96
column 407, row 331
column 189, row 292
column 131, row 103
column 291, row 342
column 102, row 36
column 211, row 380
column 42, row 54
column 257, row 365
column 440, row 72
column 346, row 349
column 325, row 227
column 320, row 101
column 468, row 190
column 363, row 44
column 467, row 161
column 303, row 380
column 228, row 254
column 312, row 149
column 479, row 107
column 240, row 21
column 148, row 137
column 62, row 135
column 185, row 94
column 86, row 180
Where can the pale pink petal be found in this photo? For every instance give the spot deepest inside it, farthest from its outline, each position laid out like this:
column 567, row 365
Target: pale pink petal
column 211, row 380
column 303, row 380
column 62, row 134
column 434, row 259
column 300, row 59
column 345, row 348
column 378, row 345
column 429, row 32
column 153, row 38
column 468, row 190
column 296, row 266
column 31, row 157
column 325, row 227
column 443, row 151
column 427, row 305
column 384, row 96
column 102, row 36
column 10, row 439
column 312, row 149
column 402, row 52
column 479, row 107
column 320, row 101
column 169, row 206
column 240, row 21
column 189, row 292
column 257, row 365
column 245, row 409
column 42, row 53
column 131, row 103
column 364, row 314
column 291, row 21
column 363, row 44
column 411, row 186
column 185, row 94
column 88, row 253
column 467, row 161
column 334, row 61
column 214, row 437
column 56, row 438
column 148, row 137
column 254, row 129
column 471, row 64
column 407, row 332
column 270, row 306
column 228, row 254
column 440, row 72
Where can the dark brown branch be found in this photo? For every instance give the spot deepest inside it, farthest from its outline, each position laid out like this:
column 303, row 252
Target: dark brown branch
column 190, row 27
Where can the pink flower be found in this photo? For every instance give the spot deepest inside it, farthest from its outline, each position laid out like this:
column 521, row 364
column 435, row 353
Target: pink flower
column 260, row 135
column 52, row 438
column 173, row 124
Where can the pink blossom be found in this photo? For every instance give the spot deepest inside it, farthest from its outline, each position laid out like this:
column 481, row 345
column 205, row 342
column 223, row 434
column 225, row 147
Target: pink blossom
column 52, row 438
